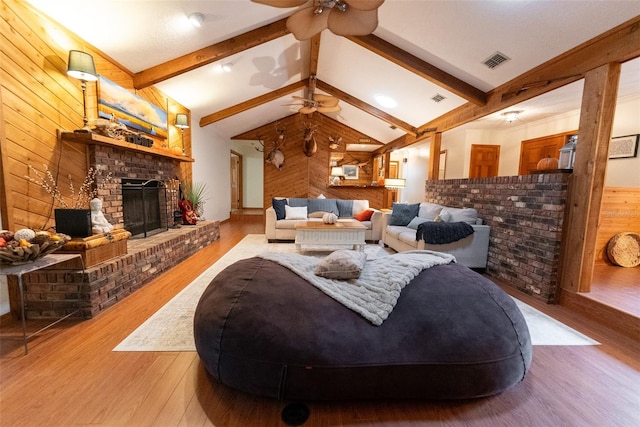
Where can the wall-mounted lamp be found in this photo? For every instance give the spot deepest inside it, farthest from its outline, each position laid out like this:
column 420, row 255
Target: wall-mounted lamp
column 395, row 183
column 182, row 122
column 196, row 19
column 511, row 116
column 80, row 66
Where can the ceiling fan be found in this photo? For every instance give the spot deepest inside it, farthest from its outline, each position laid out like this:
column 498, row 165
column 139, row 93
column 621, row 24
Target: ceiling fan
column 342, row 17
column 317, row 101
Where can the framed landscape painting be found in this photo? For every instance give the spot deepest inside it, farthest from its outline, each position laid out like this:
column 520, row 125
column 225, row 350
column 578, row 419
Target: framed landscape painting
column 130, row 109
column 350, row 171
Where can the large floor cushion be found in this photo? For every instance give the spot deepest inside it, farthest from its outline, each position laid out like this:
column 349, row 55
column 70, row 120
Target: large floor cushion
column 453, row 334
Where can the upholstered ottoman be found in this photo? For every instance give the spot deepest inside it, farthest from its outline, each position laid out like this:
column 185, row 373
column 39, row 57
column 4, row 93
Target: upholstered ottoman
column 453, row 334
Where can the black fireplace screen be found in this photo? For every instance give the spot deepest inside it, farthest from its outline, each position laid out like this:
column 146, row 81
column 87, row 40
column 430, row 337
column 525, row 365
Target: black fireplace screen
column 144, row 206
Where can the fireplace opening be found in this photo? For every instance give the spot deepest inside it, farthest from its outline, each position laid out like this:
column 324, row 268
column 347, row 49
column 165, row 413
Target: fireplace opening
column 144, row 206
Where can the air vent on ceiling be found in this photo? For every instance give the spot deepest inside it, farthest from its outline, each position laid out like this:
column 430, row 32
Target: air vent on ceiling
column 437, row 98
column 394, row 127
column 496, row 59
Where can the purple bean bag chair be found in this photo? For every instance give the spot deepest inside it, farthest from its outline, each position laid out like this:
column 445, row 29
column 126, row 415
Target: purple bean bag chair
column 453, row 334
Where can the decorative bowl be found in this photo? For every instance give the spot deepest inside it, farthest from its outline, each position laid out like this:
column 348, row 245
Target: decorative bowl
column 13, row 254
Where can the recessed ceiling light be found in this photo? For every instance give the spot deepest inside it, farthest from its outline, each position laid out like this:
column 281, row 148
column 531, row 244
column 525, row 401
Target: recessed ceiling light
column 196, row 19
column 227, row 67
column 385, row 101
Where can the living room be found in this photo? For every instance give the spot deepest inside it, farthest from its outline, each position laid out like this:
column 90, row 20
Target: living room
column 22, row 109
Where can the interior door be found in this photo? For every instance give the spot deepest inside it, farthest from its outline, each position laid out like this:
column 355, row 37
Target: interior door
column 235, row 182
column 484, row 161
column 533, row 150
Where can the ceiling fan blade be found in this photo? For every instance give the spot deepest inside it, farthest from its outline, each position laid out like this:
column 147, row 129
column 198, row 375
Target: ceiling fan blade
column 329, row 109
column 364, row 4
column 305, row 24
column 353, row 22
column 325, row 100
column 281, row 3
column 307, row 110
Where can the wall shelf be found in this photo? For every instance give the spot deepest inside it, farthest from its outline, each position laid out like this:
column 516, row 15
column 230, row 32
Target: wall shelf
column 97, row 139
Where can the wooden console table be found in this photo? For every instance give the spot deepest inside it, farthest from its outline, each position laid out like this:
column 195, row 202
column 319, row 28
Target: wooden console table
column 20, row 270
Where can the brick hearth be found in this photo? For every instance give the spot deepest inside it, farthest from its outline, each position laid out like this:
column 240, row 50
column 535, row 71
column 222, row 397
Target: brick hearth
column 55, row 293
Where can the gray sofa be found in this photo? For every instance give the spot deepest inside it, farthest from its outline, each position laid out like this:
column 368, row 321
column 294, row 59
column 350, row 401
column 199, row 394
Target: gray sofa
column 280, row 226
column 470, row 251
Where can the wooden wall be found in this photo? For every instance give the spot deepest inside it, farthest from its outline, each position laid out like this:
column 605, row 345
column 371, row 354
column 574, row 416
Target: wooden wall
column 303, row 176
column 620, row 213
column 37, row 99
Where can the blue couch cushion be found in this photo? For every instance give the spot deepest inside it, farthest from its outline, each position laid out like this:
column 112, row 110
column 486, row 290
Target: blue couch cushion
column 345, row 207
column 403, row 213
column 322, row 205
column 296, row 202
column 278, row 206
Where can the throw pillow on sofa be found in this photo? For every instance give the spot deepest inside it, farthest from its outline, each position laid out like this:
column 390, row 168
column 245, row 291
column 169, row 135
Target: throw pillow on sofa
column 365, row 215
column 468, row 215
column 293, row 212
column 403, row 213
column 415, row 222
column 278, row 206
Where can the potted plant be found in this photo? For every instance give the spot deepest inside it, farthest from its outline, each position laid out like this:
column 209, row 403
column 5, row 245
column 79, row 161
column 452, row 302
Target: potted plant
column 195, row 193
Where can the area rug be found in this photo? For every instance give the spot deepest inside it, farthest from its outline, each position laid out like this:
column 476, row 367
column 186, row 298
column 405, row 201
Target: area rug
column 171, row 327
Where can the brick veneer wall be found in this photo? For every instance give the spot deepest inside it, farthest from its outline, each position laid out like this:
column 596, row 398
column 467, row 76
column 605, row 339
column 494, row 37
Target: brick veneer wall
column 52, row 293
column 122, row 163
column 526, row 217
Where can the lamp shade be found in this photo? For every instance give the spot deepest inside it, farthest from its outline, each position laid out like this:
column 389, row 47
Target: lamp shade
column 337, row 171
column 182, row 121
column 395, row 182
column 81, row 66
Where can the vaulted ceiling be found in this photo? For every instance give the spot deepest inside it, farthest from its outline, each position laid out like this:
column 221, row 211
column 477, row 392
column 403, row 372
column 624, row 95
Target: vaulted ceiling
column 428, row 56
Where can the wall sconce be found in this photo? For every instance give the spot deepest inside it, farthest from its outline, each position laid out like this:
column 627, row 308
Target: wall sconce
column 395, row 183
column 182, row 122
column 80, row 66
column 511, row 116
column 337, row 175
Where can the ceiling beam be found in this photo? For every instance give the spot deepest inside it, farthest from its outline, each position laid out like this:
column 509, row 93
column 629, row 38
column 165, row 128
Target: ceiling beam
column 620, row 44
column 423, row 69
column 252, row 103
column 207, row 55
column 367, row 108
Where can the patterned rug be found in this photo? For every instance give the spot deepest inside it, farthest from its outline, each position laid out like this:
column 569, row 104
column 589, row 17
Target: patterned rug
column 171, row 327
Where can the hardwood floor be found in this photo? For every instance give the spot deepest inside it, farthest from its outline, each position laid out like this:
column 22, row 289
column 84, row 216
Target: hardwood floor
column 71, row 376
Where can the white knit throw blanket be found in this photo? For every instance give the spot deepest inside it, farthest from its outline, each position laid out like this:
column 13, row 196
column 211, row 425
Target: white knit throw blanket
column 375, row 293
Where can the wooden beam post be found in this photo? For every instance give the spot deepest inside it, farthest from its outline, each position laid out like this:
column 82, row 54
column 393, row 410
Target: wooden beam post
column 435, row 147
column 587, row 183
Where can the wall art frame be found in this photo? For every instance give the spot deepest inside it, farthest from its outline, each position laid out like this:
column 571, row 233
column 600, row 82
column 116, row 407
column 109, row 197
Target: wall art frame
column 622, row 147
column 350, row 171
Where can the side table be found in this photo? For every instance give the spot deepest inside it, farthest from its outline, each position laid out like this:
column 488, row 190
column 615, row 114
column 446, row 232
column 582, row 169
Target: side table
column 19, row 270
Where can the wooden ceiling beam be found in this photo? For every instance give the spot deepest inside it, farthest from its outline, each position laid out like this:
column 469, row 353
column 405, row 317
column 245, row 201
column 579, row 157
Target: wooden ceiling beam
column 422, row 68
column 367, row 108
column 210, row 54
column 252, row 103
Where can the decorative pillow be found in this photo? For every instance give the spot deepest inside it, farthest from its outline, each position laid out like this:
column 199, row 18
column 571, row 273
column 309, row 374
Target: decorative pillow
column 295, row 212
column 316, row 214
column 359, row 206
column 342, row 265
column 345, row 207
column 443, row 217
column 415, row 222
column 324, row 205
column 403, row 213
column 321, row 196
column 365, row 215
column 278, row 206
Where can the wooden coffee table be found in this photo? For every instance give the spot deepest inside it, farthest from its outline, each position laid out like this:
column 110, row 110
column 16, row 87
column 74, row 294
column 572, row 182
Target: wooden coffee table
column 320, row 234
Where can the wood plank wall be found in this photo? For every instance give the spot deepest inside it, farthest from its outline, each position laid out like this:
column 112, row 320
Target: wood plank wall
column 38, row 98
column 620, row 213
column 303, row 176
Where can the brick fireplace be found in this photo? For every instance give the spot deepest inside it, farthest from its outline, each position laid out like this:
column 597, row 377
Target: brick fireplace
column 50, row 294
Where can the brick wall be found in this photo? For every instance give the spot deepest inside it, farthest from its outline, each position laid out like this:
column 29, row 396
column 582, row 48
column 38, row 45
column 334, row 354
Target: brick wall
column 53, row 293
column 526, row 217
column 122, row 163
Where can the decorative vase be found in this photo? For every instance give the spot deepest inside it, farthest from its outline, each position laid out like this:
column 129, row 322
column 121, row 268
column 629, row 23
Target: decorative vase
column 329, row 218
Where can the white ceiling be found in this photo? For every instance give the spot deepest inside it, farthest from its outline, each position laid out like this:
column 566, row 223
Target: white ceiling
column 456, row 36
